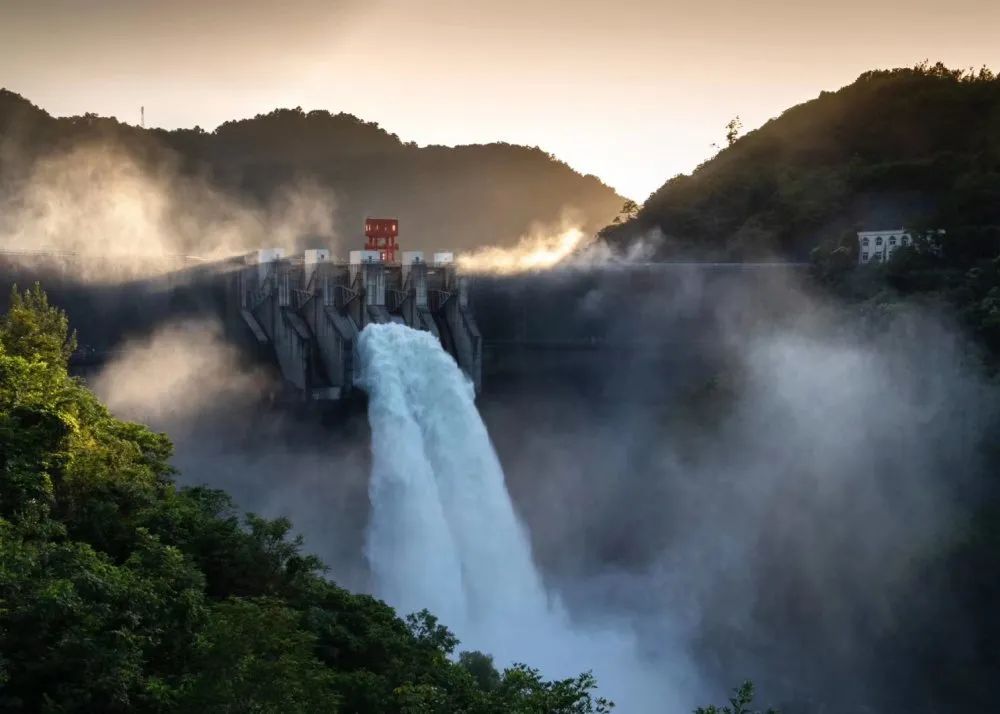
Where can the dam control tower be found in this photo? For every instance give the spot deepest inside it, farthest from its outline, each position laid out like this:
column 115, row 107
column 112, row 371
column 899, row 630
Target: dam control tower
column 308, row 310
column 381, row 235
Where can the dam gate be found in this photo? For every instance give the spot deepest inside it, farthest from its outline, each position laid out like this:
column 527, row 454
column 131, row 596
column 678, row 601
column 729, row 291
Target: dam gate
column 309, row 311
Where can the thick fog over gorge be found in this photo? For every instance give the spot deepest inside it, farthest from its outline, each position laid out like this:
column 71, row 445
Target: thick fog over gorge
column 732, row 489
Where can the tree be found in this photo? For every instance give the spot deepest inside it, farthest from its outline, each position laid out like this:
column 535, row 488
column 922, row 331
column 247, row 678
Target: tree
column 733, row 128
column 523, row 691
column 34, row 329
column 629, row 210
column 739, row 703
column 428, row 632
column 254, row 656
column 480, row 666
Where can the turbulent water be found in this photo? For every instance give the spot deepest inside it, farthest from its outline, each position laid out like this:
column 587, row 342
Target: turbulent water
column 444, row 534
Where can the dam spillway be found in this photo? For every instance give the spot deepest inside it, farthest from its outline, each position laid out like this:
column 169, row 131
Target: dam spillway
column 310, row 312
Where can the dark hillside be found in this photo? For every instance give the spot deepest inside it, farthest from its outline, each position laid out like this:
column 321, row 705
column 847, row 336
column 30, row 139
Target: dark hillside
column 906, row 147
column 120, row 592
column 459, row 197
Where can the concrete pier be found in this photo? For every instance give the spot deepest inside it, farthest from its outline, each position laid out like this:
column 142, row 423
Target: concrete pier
column 309, row 311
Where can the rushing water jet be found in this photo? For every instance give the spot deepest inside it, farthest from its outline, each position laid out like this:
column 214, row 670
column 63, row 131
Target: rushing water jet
column 444, row 534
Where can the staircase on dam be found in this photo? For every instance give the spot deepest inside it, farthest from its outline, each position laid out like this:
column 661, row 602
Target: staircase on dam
column 309, row 310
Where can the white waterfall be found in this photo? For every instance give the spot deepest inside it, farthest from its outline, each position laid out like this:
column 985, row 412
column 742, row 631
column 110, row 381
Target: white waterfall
column 443, row 532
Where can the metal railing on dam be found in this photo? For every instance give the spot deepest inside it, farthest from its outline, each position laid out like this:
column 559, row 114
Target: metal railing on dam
column 25, row 253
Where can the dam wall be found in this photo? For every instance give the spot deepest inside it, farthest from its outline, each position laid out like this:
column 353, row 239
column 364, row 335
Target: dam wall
column 310, row 311
column 604, row 329
column 623, row 328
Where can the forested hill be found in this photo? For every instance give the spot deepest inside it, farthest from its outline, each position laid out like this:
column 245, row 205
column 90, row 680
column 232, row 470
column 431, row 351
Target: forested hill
column 913, row 147
column 120, row 592
column 456, row 197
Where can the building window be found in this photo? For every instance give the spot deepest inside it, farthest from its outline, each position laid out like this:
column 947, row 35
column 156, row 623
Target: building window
column 864, row 257
column 864, row 242
column 892, row 241
column 878, row 241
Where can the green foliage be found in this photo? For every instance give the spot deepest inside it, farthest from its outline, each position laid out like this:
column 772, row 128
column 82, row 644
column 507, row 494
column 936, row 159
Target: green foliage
column 429, row 633
column 480, row 666
column 34, row 329
column 254, row 655
column 523, row 691
column 120, row 592
column 739, row 703
column 832, row 260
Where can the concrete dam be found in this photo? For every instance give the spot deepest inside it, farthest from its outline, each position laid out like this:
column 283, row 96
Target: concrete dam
column 310, row 312
column 302, row 315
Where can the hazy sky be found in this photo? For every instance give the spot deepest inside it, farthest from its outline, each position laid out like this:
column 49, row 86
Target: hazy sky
column 634, row 91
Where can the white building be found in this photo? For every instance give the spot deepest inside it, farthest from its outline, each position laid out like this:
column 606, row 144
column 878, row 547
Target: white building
column 878, row 246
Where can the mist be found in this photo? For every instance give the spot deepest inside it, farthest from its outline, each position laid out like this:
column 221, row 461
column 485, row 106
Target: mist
column 188, row 380
column 138, row 215
column 541, row 249
column 763, row 510
column 563, row 245
column 742, row 491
